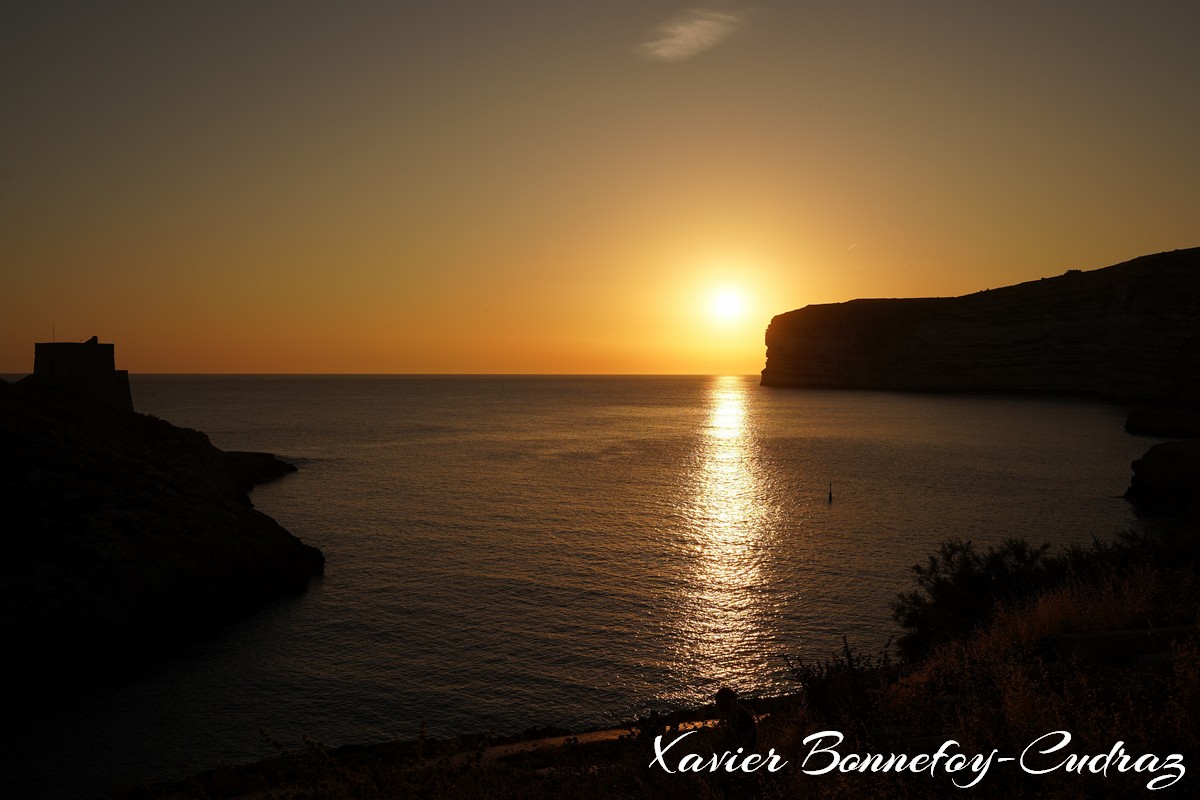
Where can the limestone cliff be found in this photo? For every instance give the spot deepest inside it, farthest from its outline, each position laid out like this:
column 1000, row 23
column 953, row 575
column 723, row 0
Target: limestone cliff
column 1130, row 331
column 123, row 532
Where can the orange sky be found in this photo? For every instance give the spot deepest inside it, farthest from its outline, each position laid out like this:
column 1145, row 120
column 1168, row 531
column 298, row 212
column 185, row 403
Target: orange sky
column 558, row 187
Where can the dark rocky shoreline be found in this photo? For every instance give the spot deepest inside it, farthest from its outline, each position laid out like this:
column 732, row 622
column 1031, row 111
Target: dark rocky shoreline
column 123, row 534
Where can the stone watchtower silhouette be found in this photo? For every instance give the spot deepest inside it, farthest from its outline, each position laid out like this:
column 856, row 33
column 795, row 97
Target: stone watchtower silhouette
column 87, row 369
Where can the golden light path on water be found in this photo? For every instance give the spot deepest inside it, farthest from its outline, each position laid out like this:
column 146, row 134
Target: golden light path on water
column 724, row 631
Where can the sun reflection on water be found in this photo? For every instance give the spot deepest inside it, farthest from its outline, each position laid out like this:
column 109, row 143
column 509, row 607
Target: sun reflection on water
column 724, row 629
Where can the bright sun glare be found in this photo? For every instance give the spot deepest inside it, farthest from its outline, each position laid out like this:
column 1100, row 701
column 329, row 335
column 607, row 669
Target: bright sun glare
column 727, row 305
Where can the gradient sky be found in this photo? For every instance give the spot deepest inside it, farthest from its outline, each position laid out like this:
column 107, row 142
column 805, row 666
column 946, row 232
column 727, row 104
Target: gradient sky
column 559, row 187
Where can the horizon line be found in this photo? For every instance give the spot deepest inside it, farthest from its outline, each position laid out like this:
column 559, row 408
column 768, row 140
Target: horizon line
column 22, row 374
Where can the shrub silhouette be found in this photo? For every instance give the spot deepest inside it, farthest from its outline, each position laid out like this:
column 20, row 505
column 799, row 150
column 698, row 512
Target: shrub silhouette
column 959, row 588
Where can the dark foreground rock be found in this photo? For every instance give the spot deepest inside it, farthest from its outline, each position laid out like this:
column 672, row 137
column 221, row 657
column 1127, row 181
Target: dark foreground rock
column 122, row 532
column 1166, row 480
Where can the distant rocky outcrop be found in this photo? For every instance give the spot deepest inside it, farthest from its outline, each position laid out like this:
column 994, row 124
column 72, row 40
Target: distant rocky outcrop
column 1130, row 331
column 121, row 532
column 1166, row 480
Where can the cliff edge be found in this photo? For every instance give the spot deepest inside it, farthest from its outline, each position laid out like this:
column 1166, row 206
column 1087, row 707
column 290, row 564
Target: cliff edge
column 1129, row 331
column 122, row 532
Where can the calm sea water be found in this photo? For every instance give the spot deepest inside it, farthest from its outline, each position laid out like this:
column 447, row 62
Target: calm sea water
column 504, row 552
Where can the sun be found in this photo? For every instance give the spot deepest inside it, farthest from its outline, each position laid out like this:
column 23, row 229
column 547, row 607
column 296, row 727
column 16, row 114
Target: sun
column 727, row 304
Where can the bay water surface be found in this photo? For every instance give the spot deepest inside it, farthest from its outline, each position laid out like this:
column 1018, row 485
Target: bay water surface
column 504, row 552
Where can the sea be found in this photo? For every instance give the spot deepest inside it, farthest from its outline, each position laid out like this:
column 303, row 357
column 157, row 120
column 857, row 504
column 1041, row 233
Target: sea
column 509, row 552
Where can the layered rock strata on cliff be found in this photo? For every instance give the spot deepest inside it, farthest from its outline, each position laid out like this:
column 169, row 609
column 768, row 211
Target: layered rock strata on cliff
column 122, row 531
column 1130, row 331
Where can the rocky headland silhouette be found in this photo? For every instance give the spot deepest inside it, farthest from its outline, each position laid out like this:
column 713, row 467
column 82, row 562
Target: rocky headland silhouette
column 1166, row 480
column 124, row 532
column 1127, row 332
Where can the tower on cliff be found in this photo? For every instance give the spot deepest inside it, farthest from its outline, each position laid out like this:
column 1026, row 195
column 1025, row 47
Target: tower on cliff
column 87, row 369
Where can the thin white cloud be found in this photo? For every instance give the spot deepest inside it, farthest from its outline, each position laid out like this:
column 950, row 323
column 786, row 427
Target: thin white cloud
column 689, row 33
